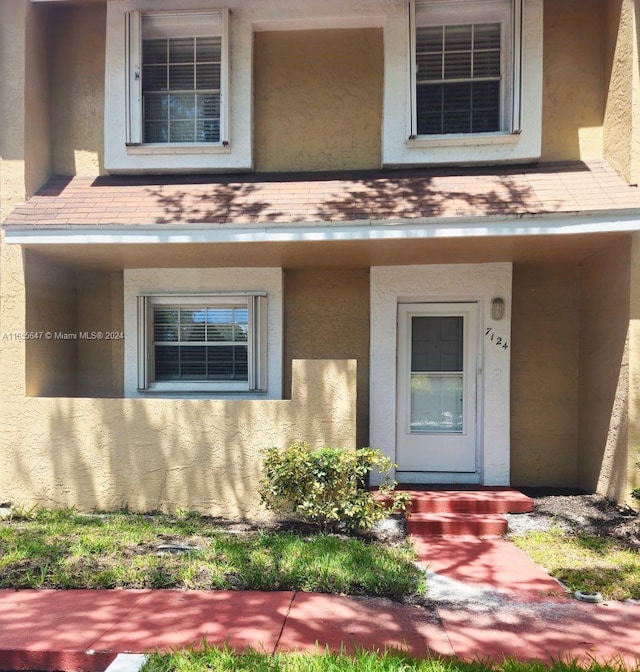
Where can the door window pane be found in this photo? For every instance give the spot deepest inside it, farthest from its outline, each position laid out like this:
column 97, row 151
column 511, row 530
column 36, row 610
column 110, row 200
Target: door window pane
column 437, row 374
column 436, row 403
column 436, row 344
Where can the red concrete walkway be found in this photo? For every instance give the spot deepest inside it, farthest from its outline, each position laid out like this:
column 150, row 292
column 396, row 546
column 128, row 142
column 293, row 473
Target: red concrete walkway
column 491, row 602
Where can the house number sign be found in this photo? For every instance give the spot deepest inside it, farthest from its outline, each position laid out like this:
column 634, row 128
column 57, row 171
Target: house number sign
column 498, row 341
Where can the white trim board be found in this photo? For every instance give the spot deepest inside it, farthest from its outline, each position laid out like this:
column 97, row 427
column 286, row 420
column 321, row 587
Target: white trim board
column 540, row 225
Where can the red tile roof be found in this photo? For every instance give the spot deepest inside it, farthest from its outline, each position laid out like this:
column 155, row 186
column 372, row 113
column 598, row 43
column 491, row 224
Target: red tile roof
column 260, row 199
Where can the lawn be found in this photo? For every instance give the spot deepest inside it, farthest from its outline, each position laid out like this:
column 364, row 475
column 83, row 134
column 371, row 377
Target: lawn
column 585, row 562
column 64, row 549
column 212, row 659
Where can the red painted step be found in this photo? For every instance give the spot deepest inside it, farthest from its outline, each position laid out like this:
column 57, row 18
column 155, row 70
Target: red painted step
column 463, row 512
column 471, row 524
column 481, row 501
column 470, row 501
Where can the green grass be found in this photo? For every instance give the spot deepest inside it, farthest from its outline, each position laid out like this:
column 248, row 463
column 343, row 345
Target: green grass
column 585, row 562
column 62, row 549
column 212, row 659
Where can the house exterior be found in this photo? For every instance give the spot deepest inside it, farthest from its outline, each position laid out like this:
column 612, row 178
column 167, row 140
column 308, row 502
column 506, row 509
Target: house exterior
column 233, row 224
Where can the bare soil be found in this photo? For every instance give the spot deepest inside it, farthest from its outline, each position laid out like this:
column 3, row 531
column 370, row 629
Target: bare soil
column 577, row 512
column 569, row 509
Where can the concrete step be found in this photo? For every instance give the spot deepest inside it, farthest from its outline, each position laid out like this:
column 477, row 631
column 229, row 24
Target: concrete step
column 479, row 501
column 470, row 501
column 469, row 524
column 470, row 512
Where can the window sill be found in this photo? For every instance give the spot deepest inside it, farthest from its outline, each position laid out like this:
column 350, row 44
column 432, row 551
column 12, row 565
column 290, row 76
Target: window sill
column 463, row 140
column 204, row 395
column 168, row 149
column 197, row 388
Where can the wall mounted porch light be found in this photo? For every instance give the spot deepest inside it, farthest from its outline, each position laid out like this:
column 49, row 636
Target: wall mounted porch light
column 497, row 308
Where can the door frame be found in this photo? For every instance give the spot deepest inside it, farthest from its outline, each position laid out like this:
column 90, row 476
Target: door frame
column 472, row 377
column 481, row 283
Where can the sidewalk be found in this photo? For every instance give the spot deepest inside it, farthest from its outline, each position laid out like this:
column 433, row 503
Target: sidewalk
column 490, row 601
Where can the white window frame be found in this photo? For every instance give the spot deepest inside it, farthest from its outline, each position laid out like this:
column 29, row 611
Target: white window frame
column 133, row 86
column 256, row 303
column 456, row 12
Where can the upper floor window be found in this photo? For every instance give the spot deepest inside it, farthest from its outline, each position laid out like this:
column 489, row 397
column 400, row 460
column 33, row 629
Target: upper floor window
column 177, row 77
column 465, row 67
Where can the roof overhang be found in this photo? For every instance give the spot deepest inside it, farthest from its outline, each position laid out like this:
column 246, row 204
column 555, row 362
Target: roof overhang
column 555, row 224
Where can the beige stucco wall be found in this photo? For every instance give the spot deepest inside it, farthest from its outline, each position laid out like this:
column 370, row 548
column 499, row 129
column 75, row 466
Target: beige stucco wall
column 100, row 363
column 62, row 306
column 604, row 371
column 326, row 314
column 544, row 375
column 50, row 314
column 622, row 112
column 78, row 89
column 633, row 456
column 146, row 453
column 12, row 72
column 51, row 95
column 25, row 159
column 318, row 99
column 573, row 102
column 149, row 454
column 37, row 88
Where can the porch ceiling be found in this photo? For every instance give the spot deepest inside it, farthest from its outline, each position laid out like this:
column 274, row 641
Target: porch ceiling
column 355, row 219
column 570, row 249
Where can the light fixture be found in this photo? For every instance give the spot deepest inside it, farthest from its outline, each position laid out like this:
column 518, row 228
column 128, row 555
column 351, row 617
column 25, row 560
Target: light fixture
column 497, row 308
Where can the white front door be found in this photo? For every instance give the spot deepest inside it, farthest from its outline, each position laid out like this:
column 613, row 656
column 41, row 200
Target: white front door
column 437, row 391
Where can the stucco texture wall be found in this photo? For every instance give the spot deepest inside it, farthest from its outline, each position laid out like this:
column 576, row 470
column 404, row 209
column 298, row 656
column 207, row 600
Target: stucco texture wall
column 622, row 113
column 78, row 89
column 574, row 72
column 25, row 159
column 318, row 99
column 149, row 454
column 60, row 305
column 544, row 375
column 604, row 371
column 100, row 308
column 12, row 71
column 50, row 310
column 326, row 314
column 633, row 456
column 145, row 453
column 37, row 92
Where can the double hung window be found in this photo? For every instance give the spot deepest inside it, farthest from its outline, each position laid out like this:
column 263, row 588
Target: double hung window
column 202, row 343
column 177, row 77
column 465, row 67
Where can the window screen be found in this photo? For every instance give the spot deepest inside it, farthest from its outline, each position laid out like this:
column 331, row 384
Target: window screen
column 458, row 78
column 181, row 89
column 200, row 343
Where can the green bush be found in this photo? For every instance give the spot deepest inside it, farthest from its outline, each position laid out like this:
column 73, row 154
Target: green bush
column 328, row 486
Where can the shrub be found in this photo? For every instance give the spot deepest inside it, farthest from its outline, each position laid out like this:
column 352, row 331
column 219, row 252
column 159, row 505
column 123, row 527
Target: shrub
column 327, row 486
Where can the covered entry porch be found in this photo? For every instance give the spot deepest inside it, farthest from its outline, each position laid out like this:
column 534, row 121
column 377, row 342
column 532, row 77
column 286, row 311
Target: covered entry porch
column 562, row 399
